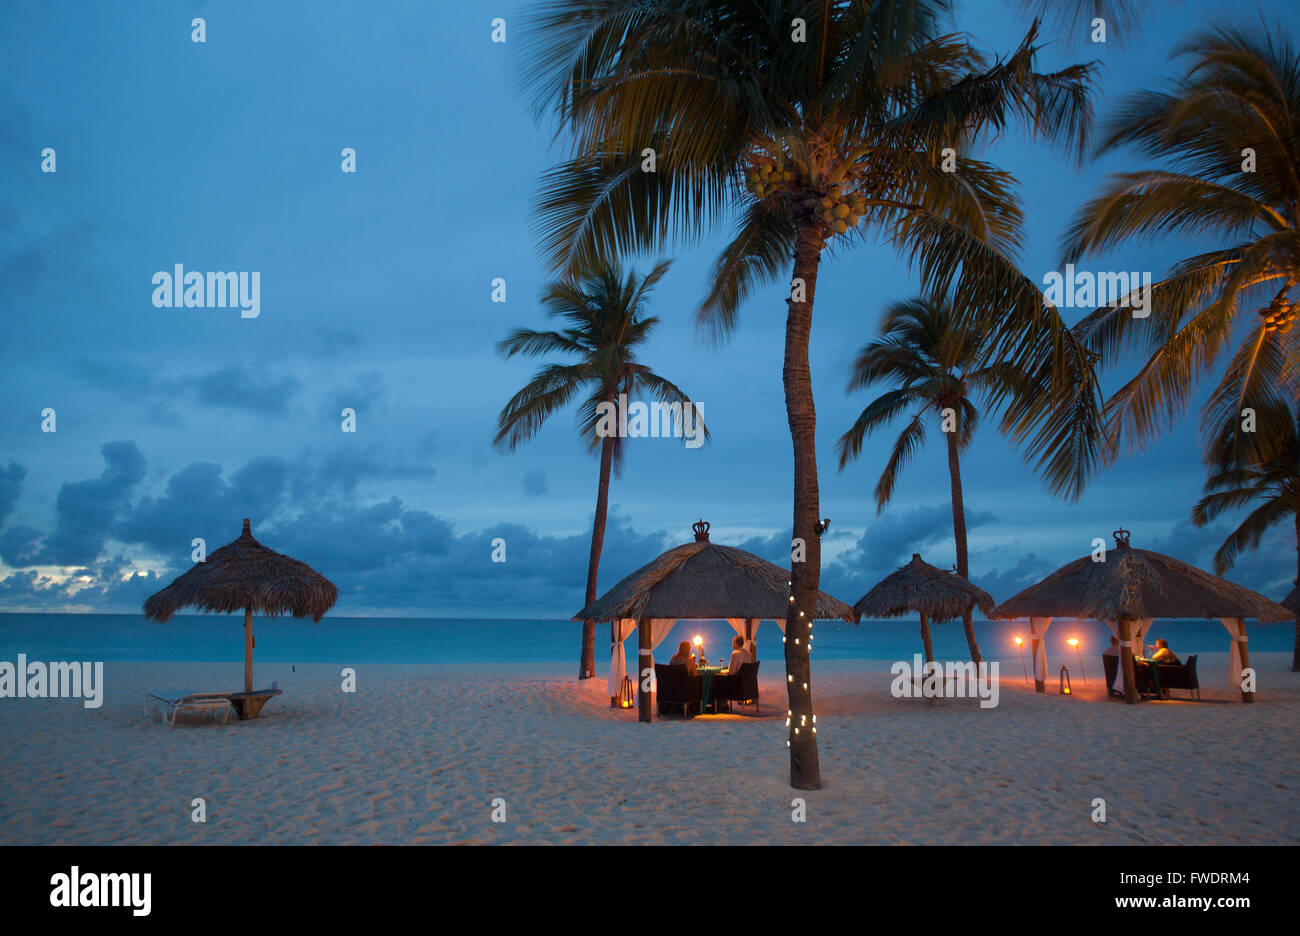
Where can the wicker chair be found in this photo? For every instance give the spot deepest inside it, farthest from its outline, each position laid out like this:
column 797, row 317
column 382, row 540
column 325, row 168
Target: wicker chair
column 741, row 686
column 1180, row 676
column 676, row 689
column 1146, row 682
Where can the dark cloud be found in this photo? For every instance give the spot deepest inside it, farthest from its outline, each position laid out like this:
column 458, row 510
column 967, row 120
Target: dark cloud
column 239, row 387
column 198, row 501
column 11, row 480
column 1003, row 583
column 20, row 546
column 86, row 510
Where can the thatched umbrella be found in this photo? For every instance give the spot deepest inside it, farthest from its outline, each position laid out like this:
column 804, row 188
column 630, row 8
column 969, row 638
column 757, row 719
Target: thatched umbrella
column 918, row 586
column 1129, row 589
column 697, row 581
column 246, row 575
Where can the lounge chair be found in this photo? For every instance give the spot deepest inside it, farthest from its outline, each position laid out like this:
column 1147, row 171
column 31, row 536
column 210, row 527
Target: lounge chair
column 169, row 704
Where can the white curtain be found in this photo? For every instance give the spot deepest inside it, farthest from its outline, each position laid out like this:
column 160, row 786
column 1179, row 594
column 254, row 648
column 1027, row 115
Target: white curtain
column 747, row 628
column 618, row 656
column 1237, row 628
column 1038, row 628
column 659, row 628
column 1139, row 629
column 1137, row 633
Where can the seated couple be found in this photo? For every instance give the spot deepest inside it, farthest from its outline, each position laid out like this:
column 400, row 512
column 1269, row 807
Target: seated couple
column 1162, row 652
column 1162, row 655
column 739, row 656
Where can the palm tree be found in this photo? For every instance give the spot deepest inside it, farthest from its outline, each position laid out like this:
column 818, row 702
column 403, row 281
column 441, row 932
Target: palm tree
column 933, row 363
column 1226, row 135
column 1272, row 484
column 810, row 122
column 606, row 324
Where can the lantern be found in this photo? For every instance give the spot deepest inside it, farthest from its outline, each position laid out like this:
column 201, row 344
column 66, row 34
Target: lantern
column 1065, row 681
column 626, row 693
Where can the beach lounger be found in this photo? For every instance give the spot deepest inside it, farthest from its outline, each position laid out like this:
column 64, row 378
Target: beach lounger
column 169, row 704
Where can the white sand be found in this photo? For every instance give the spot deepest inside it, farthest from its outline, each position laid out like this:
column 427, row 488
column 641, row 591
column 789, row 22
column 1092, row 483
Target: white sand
column 419, row 752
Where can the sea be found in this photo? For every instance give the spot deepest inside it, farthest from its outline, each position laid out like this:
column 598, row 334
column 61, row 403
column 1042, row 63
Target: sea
column 345, row 640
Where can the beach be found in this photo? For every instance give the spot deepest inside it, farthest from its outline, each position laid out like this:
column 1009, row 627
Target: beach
column 419, row 753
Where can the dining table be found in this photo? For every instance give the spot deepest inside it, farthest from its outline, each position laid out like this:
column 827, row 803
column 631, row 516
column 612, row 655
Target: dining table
column 706, row 674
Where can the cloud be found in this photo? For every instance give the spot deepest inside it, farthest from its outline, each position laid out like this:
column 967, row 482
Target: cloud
column 891, row 540
column 535, row 485
column 20, row 546
column 11, row 480
column 1003, row 583
column 238, row 387
column 85, row 510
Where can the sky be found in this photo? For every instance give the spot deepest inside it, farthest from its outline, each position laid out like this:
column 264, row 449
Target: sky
column 376, row 295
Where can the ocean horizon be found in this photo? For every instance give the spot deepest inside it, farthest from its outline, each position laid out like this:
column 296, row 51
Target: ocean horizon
column 219, row 638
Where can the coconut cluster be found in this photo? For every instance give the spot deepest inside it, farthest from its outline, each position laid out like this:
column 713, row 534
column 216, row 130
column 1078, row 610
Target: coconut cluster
column 838, row 209
column 769, row 177
column 1279, row 315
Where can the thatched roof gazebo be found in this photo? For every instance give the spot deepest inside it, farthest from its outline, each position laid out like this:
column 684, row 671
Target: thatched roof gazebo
column 245, row 575
column 1130, row 588
column 695, row 581
column 918, row 586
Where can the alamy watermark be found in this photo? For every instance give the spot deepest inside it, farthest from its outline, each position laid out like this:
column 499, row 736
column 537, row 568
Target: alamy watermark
column 79, row 888
column 54, row 680
column 945, row 680
column 651, row 421
column 1087, row 290
column 195, row 290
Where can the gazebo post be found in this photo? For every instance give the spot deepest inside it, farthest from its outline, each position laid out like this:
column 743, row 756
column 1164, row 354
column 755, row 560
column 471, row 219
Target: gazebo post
column 1245, row 658
column 1125, row 628
column 925, row 637
column 1035, row 639
column 644, row 668
column 248, row 649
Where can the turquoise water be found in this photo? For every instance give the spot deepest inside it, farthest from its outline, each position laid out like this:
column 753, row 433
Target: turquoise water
column 468, row 640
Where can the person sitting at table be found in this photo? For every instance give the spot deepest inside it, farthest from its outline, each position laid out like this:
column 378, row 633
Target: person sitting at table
column 739, row 656
column 1163, row 654
column 683, row 657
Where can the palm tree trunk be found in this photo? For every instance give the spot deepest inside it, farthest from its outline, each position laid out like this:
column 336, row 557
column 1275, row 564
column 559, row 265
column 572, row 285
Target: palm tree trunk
column 1295, row 651
column 248, row 649
column 959, row 534
column 805, row 577
column 587, row 664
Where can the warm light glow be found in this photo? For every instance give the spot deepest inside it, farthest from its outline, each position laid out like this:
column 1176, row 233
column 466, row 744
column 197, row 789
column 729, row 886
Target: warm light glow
column 1065, row 691
column 698, row 640
column 1019, row 641
column 1073, row 641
